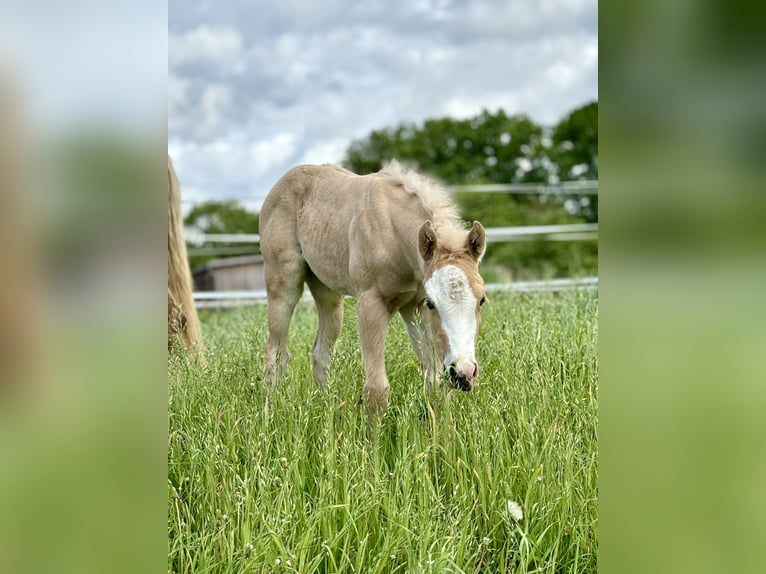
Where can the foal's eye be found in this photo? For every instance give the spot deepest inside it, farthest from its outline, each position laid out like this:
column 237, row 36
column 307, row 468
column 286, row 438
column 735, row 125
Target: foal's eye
column 429, row 303
column 483, row 300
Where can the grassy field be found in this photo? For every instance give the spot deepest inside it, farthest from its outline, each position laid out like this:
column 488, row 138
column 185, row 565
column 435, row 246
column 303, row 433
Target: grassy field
column 291, row 483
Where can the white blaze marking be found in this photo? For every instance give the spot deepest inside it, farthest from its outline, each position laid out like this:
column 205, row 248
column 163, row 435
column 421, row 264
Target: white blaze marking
column 450, row 292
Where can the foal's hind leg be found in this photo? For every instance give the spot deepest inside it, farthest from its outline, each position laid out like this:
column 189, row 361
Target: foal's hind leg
column 329, row 306
column 284, row 287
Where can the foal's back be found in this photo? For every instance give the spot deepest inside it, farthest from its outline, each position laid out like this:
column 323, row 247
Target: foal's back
column 353, row 232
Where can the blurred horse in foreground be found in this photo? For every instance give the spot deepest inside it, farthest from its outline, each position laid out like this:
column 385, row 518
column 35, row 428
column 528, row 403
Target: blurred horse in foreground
column 182, row 314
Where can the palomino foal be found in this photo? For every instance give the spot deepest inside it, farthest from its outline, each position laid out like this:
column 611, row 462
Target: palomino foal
column 395, row 242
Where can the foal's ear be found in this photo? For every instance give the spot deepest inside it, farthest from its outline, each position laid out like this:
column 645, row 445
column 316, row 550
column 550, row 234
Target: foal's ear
column 476, row 243
column 427, row 241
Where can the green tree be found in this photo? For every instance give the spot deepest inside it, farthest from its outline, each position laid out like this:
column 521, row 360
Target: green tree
column 574, row 152
column 488, row 148
column 574, row 147
column 221, row 217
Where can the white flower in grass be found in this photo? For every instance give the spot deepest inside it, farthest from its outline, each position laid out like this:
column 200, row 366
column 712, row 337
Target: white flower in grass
column 248, row 546
column 514, row 510
column 277, row 562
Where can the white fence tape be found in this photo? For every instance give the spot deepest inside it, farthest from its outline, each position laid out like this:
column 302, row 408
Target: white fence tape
column 218, row 299
column 570, row 232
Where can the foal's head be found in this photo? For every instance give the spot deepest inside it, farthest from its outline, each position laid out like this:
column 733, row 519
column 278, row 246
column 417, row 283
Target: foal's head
column 454, row 296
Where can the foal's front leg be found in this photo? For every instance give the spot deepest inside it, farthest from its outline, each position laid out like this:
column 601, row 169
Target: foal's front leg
column 420, row 338
column 373, row 326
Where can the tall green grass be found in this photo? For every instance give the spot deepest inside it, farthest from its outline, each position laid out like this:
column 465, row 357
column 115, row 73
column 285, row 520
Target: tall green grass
column 291, row 482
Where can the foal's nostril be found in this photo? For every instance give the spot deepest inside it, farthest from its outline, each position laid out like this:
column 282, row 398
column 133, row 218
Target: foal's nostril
column 459, row 380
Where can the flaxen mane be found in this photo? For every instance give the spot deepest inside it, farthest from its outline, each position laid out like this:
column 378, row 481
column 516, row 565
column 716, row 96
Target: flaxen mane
column 182, row 314
column 445, row 217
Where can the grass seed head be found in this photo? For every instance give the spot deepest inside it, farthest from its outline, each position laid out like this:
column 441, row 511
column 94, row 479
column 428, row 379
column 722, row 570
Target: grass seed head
column 514, row 511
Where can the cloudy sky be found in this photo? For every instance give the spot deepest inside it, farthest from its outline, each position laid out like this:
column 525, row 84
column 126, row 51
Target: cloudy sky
column 256, row 87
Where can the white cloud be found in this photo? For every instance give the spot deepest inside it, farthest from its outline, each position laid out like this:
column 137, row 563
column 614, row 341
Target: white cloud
column 329, row 151
column 464, row 106
column 215, row 98
column 177, row 149
column 523, row 17
column 204, row 43
column 561, row 73
column 253, row 93
column 178, row 89
column 590, row 54
column 265, row 155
